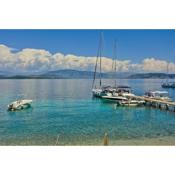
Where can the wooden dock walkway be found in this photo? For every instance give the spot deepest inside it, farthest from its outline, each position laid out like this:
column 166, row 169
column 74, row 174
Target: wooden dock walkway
column 155, row 100
column 162, row 104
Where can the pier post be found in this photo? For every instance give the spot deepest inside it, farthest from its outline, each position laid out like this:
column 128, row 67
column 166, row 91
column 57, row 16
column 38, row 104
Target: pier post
column 160, row 106
column 167, row 107
column 57, row 139
column 154, row 104
column 106, row 140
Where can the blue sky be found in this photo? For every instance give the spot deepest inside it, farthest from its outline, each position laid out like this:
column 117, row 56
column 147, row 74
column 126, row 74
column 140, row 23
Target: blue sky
column 45, row 50
column 131, row 44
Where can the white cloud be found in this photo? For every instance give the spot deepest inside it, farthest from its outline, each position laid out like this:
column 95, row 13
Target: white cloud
column 28, row 60
column 156, row 65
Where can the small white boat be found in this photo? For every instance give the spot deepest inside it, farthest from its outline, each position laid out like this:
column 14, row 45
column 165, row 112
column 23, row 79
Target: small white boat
column 158, row 95
column 131, row 102
column 124, row 101
column 119, row 93
column 19, row 105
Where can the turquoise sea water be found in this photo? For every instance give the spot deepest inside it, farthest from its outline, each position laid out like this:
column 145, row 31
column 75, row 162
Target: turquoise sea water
column 64, row 111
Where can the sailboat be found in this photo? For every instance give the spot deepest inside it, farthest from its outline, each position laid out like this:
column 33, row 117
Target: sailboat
column 112, row 94
column 101, row 90
column 122, row 95
column 168, row 84
column 97, row 91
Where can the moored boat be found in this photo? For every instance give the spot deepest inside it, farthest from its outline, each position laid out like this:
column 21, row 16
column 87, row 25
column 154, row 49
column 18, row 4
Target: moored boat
column 113, row 98
column 131, row 102
column 19, row 105
column 125, row 91
column 158, row 95
column 103, row 91
column 168, row 85
column 96, row 91
column 119, row 93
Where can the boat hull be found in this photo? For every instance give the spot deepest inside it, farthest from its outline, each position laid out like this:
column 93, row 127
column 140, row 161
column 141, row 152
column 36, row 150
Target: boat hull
column 132, row 103
column 168, row 86
column 19, row 105
column 112, row 98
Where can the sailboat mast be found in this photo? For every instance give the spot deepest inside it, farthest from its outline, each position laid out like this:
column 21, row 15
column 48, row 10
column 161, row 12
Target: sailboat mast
column 167, row 73
column 101, row 48
column 99, row 53
column 95, row 71
column 115, row 64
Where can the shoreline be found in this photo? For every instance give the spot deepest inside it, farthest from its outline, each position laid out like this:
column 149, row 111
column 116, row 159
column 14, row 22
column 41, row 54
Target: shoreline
column 161, row 141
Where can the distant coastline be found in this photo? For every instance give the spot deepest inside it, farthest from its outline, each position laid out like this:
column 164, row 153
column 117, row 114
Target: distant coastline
column 75, row 74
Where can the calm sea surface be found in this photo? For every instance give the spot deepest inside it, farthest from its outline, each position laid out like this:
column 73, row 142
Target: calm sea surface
column 64, row 111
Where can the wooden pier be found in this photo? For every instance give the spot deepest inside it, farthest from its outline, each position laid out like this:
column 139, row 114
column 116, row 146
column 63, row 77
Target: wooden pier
column 161, row 104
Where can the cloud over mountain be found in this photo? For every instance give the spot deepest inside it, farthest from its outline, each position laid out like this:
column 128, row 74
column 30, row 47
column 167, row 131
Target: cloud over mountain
column 28, row 60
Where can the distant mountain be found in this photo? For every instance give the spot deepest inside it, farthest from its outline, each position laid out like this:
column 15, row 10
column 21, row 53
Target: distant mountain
column 64, row 74
column 68, row 73
column 58, row 74
column 23, row 77
column 151, row 76
column 76, row 74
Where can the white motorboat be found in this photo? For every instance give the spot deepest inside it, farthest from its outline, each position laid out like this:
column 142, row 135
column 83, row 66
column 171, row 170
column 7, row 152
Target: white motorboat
column 19, row 105
column 131, row 102
column 158, row 95
column 125, row 91
column 113, row 98
column 119, row 93
column 124, row 100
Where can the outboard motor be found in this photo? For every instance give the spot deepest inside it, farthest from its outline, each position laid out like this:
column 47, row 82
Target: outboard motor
column 10, row 107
